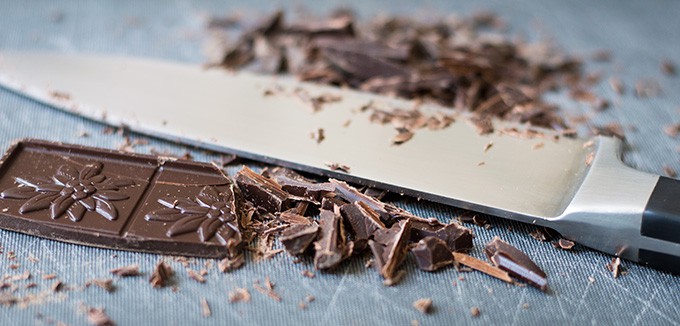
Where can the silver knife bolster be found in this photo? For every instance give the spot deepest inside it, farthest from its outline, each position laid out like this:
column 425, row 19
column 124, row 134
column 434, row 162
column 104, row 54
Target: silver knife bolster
column 608, row 209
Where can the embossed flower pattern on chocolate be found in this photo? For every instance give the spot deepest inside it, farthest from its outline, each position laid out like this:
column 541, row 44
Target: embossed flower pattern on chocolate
column 211, row 214
column 70, row 192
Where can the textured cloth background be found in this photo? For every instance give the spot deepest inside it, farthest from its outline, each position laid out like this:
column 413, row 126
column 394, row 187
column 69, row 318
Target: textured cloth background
column 640, row 34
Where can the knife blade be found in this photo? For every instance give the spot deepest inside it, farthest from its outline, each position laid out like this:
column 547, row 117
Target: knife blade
column 604, row 204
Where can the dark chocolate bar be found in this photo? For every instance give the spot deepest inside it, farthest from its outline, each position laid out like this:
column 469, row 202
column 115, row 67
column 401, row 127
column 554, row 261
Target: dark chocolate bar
column 119, row 200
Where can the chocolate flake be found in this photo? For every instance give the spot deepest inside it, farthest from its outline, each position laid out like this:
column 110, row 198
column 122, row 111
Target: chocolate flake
column 482, row 266
column 106, row 284
column 617, row 85
column 308, row 273
column 267, row 290
column 432, row 254
column 161, row 275
column 125, row 271
column 424, row 305
column 318, row 135
column 402, row 136
column 515, row 262
column 195, row 276
column 389, row 249
column 331, row 247
column 672, row 130
column 229, row 264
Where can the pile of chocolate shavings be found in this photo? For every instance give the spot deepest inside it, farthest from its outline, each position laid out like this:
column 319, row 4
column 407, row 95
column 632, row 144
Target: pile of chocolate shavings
column 470, row 63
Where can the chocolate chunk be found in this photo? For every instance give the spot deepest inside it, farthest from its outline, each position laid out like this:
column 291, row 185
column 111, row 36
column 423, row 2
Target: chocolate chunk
column 362, row 222
column 119, row 200
column 291, row 217
column 261, row 191
column 432, row 254
column 515, row 262
column 389, row 248
column 295, row 184
column 329, row 203
column 388, row 213
column 297, row 238
column 456, row 237
column 332, row 246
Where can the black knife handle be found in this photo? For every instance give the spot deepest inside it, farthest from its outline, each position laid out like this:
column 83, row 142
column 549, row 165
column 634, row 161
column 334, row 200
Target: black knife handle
column 661, row 220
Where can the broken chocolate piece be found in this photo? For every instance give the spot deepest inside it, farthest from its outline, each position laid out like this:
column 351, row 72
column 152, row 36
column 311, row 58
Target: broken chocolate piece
column 456, row 237
column 98, row 317
column 362, row 222
column 294, row 218
column 119, row 200
column 515, row 262
column 261, row 191
column 389, row 248
column 295, row 184
column 388, row 213
column 331, row 247
column 298, row 237
column 329, row 203
column 432, row 254
column 125, row 271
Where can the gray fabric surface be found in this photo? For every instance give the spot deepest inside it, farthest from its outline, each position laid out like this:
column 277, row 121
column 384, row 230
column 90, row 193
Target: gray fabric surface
column 640, row 34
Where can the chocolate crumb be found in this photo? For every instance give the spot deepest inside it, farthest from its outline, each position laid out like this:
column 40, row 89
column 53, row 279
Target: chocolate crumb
column 318, row 135
column 338, row 167
column 205, row 308
column 161, row 275
column 565, row 244
column 402, row 136
column 423, row 305
column 307, row 273
column 672, row 130
column 590, row 158
column 488, row 146
column 49, row 276
column 615, row 267
column 538, row 146
column 56, row 286
column 617, row 85
column 230, row 264
column 98, row 317
column 195, row 276
column 669, row 171
column 268, row 289
column 239, row 295
column 474, row 311
column 668, row 67
column 106, row 284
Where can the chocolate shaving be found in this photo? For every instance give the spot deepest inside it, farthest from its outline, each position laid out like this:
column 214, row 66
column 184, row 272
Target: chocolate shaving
column 515, row 262
column 432, row 254
column 205, row 308
column 229, row 264
column 106, row 284
column 239, row 295
column 331, row 247
column 389, row 249
column 161, row 275
column 482, row 266
column 338, row 167
column 672, row 130
column 615, row 267
column 617, row 85
column 125, row 271
column 295, row 184
column 195, row 276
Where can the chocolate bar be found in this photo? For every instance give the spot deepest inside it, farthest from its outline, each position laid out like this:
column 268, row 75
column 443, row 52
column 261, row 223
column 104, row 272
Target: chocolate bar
column 118, row 200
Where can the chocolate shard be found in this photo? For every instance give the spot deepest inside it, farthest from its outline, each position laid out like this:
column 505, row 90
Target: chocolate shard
column 119, row 200
column 457, row 237
column 330, row 202
column 295, row 184
column 292, row 217
column 362, row 222
column 389, row 214
column 297, row 238
column 389, row 248
column 431, row 254
column 261, row 191
column 515, row 262
column 332, row 246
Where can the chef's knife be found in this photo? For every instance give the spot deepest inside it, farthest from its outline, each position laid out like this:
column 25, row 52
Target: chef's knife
column 583, row 191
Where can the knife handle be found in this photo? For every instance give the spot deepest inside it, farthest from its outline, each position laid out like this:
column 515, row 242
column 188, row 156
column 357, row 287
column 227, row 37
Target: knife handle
column 661, row 220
